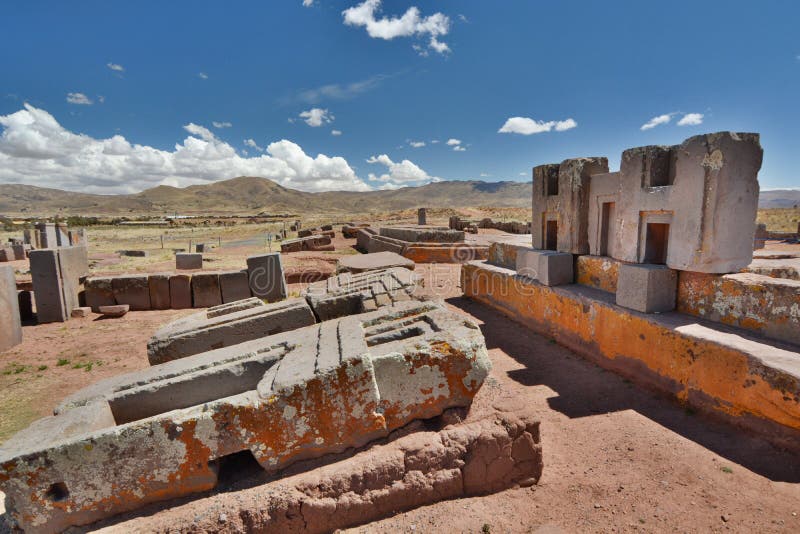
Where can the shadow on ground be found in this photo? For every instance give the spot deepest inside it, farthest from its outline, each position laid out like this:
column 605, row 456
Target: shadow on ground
column 585, row 389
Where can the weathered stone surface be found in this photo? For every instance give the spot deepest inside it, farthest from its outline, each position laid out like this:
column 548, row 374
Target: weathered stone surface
column 763, row 304
column 690, row 206
column 647, row 288
column 19, row 252
column 546, row 266
column 423, row 467
column 227, row 325
column 25, row 299
column 422, row 217
column 266, row 277
column 180, row 291
column 234, row 286
column 428, row 234
column 350, row 230
column 133, row 290
column 99, row 292
column 205, row 290
column 48, row 290
column 561, row 204
column 727, row 371
column 158, row 287
column 80, row 312
column 134, row 253
column 363, row 237
column 373, row 262
column 10, row 323
column 188, row 260
column 47, row 235
column 6, row 253
column 315, row 242
column 288, row 397
column 117, row 310
column 348, row 294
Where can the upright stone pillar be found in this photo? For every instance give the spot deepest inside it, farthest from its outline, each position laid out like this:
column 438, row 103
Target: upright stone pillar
column 422, row 217
column 62, row 235
column 265, row 275
column 56, row 275
column 10, row 324
column 47, row 235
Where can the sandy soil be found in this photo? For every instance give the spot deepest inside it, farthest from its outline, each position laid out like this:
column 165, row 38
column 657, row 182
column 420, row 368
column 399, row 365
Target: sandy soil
column 618, row 458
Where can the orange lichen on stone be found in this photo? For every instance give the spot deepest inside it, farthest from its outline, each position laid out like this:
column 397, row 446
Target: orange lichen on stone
column 600, row 272
column 762, row 304
column 444, row 252
column 714, row 369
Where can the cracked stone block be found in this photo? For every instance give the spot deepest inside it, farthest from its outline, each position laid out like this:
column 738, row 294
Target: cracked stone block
column 226, row 325
column 133, row 290
column 159, row 433
column 647, row 288
column 348, row 294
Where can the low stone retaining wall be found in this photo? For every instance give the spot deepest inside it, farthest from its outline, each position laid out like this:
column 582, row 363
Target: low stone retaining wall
column 753, row 382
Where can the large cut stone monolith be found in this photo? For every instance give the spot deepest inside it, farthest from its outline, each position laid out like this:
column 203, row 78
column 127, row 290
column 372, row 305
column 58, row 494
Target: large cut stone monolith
column 10, row 324
column 265, row 274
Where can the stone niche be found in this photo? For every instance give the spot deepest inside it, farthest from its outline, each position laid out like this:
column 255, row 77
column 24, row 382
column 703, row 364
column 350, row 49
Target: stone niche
column 691, row 206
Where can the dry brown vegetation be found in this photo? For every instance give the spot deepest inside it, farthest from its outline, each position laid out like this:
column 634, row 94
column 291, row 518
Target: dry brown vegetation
column 780, row 219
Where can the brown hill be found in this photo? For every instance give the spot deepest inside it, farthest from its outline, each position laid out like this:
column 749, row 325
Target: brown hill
column 251, row 195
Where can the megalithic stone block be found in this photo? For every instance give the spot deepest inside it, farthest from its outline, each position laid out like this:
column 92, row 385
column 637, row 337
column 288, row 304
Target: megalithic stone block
column 227, row 325
column 205, row 290
column 180, row 291
column 234, row 286
column 158, row 286
column 422, row 216
column 99, row 293
column 265, row 274
column 48, row 289
column 348, row 294
column 158, row 434
column 188, row 260
column 133, row 290
column 647, row 288
column 10, row 323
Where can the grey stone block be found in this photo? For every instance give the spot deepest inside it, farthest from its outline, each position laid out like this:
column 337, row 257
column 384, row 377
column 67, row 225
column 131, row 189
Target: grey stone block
column 25, row 299
column 99, row 292
column 188, row 260
column 180, row 291
column 227, row 325
column 205, row 290
column 19, row 252
column 555, row 268
column 47, row 286
column 266, row 277
column 647, row 288
column 133, row 290
column 10, row 322
column 158, row 285
column 234, row 286
column 349, row 294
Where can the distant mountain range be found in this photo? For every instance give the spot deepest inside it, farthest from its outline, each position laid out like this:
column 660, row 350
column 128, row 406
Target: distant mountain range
column 248, row 195
column 252, row 195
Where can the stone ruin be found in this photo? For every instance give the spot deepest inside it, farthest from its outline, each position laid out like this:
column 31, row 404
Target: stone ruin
column 639, row 271
column 421, row 244
column 162, row 433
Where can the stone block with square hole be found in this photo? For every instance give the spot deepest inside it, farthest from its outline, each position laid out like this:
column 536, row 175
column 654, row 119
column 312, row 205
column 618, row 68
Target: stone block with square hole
column 647, row 288
column 161, row 433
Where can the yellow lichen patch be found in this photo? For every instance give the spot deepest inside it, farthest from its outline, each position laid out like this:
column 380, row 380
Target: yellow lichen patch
column 597, row 271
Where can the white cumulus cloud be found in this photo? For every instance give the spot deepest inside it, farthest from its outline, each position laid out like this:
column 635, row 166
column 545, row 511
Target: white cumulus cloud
column 336, row 132
column 308, row 3
column 528, row 126
column 400, row 174
column 252, row 144
column 410, row 24
column 316, row 117
column 416, row 144
column 657, row 121
column 115, row 67
column 202, row 75
column 453, row 142
column 36, row 150
column 224, row 124
column 691, row 119
column 79, row 98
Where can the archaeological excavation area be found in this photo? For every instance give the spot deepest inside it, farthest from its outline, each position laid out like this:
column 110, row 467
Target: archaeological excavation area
column 626, row 359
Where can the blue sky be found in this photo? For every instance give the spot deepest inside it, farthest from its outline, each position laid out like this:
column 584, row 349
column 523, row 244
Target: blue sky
column 586, row 76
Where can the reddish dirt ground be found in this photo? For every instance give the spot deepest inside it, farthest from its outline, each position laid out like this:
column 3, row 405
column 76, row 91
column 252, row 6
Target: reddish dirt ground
column 617, row 458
